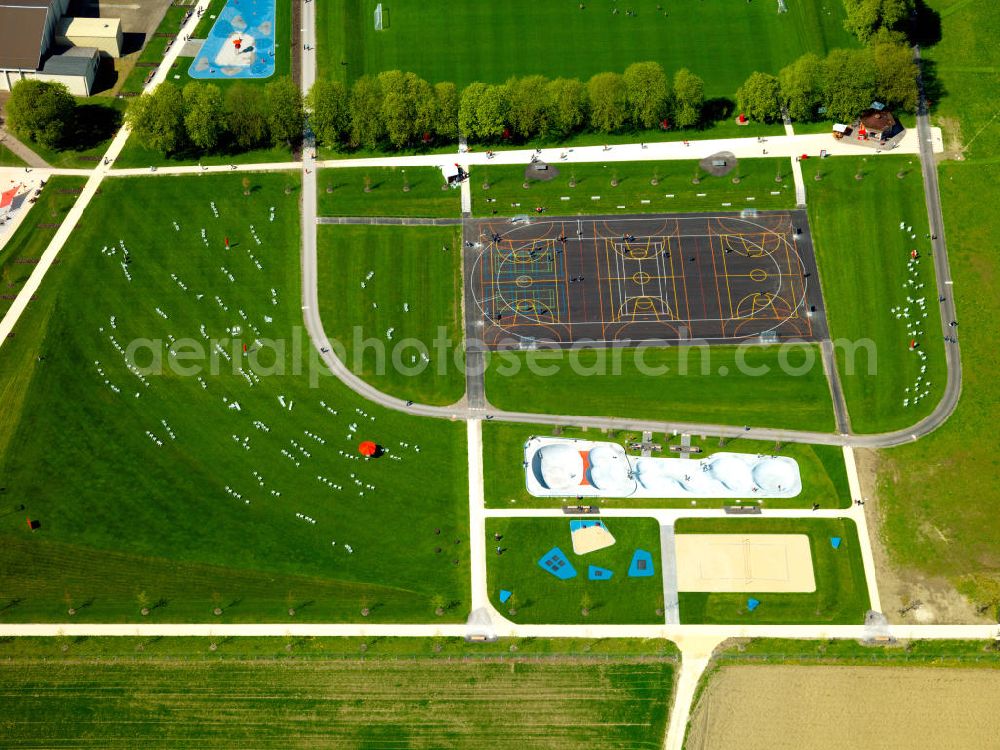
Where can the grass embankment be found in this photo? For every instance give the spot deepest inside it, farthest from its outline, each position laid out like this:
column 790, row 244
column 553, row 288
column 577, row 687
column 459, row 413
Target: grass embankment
column 217, row 693
column 841, row 595
column 824, row 478
column 634, row 193
column 388, row 294
column 9, row 159
column 705, row 385
column 342, row 193
column 863, row 259
column 540, row 597
column 939, row 494
column 161, row 492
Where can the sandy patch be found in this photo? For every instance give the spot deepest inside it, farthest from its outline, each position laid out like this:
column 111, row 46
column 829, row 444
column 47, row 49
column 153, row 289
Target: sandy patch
column 833, row 708
column 591, row 539
column 744, row 562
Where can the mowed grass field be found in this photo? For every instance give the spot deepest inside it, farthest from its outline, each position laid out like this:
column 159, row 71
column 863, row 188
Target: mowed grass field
column 342, row 193
column 20, row 254
column 634, row 193
column 204, row 701
column 722, row 42
column 540, row 597
column 863, row 261
column 231, row 479
column 704, row 385
column 387, row 294
column 841, row 596
column 824, row 478
column 939, row 494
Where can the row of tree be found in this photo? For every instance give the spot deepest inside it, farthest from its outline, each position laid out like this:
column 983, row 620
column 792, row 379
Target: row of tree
column 200, row 118
column 836, row 87
column 401, row 109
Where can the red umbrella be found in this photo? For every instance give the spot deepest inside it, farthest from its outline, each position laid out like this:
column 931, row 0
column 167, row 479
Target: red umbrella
column 367, row 448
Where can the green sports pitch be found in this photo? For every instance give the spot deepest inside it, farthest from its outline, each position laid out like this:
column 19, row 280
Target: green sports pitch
column 720, row 40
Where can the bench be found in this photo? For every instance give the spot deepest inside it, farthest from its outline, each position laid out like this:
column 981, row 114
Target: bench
column 742, row 510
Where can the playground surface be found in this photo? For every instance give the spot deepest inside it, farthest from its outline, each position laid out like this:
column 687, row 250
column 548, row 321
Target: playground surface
column 619, row 280
column 889, row 707
column 240, row 44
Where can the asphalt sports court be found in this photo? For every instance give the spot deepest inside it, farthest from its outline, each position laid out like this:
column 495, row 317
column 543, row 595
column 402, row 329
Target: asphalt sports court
column 616, row 280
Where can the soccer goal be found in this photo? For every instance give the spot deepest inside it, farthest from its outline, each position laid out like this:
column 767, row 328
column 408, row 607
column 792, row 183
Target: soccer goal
column 379, row 18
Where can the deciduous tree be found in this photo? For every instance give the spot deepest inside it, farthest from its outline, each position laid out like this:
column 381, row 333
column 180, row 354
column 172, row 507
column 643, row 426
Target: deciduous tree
column 204, row 116
column 40, row 111
column 608, row 99
column 802, row 87
column 759, row 98
column 647, row 93
column 689, row 97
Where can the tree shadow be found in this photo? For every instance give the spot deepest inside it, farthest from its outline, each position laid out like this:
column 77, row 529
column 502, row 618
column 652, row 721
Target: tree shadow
column 234, row 603
column 92, row 125
column 925, row 29
column 934, row 89
column 11, row 604
column 160, row 603
column 719, row 108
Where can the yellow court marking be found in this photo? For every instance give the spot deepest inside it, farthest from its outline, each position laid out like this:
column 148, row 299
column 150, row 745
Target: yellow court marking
column 641, row 278
column 523, row 281
column 758, row 274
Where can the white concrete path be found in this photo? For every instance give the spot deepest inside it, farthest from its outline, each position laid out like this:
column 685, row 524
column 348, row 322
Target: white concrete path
column 477, row 518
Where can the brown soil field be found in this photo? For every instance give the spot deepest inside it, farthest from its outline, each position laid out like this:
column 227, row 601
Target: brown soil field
column 838, row 708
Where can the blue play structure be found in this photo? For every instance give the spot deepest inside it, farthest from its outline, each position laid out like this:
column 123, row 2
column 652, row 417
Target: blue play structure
column 642, row 564
column 577, row 525
column 251, row 23
column 595, row 573
column 752, row 604
column 557, row 564
column 504, row 596
column 835, row 542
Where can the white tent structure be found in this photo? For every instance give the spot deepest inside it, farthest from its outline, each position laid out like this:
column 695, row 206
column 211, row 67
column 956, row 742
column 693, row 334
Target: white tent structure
column 557, row 467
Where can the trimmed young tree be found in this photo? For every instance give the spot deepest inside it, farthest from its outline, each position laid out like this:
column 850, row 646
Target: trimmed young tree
column 802, row 87
column 866, row 17
column 204, row 118
column 40, row 111
column 647, row 93
column 365, row 105
column 895, row 75
column 759, row 98
column 848, row 83
column 246, row 116
column 689, row 98
column 157, row 119
column 446, row 111
column 529, row 111
column 567, row 101
column 330, row 117
column 608, row 99
column 285, row 112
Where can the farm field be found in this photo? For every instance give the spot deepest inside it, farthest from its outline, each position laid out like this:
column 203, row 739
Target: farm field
column 540, row 597
column 718, row 42
column 864, row 270
column 387, row 293
column 713, row 384
column 238, row 468
column 757, row 181
column 841, row 595
column 824, row 478
column 803, row 706
column 342, row 193
column 202, row 700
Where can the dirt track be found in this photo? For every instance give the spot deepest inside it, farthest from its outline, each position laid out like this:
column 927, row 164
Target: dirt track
column 833, row 708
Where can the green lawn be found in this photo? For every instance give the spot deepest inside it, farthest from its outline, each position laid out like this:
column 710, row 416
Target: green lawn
column 342, row 193
column 841, row 595
column 208, row 701
column 540, row 597
column 939, row 494
column 757, row 181
column 217, row 492
column 135, row 155
column 21, row 253
column 721, row 42
column 824, row 477
column 417, row 288
column 9, row 159
column 708, row 385
column 863, row 262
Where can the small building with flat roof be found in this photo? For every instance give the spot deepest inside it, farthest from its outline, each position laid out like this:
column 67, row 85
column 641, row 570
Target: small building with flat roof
column 105, row 34
column 76, row 68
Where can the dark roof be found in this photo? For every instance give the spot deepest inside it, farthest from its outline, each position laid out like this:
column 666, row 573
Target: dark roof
column 71, row 63
column 22, row 30
column 877, row 121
